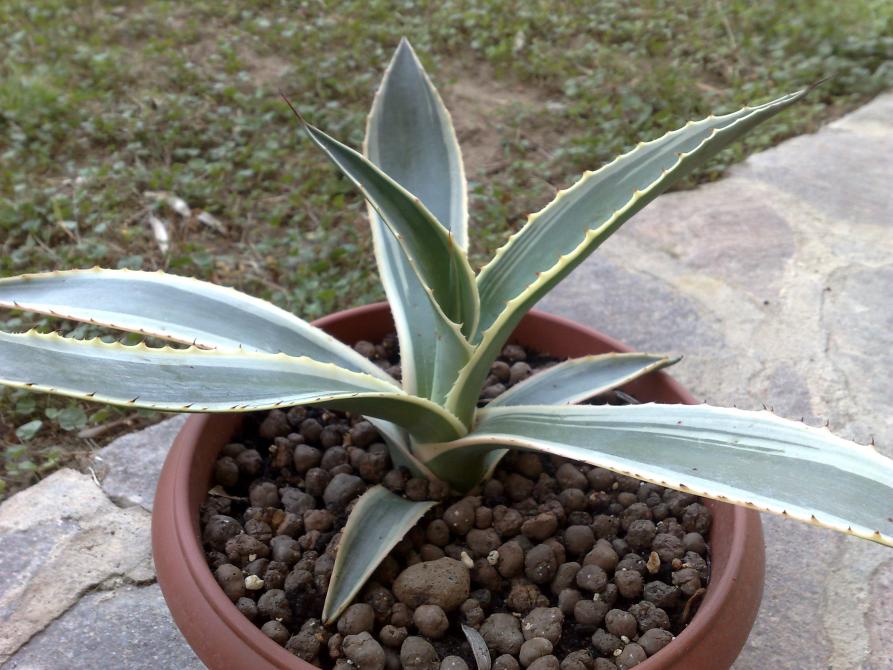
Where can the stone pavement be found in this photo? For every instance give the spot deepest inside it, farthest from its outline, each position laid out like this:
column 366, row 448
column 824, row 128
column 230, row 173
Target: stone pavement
column 77, row 589
column 774, row 282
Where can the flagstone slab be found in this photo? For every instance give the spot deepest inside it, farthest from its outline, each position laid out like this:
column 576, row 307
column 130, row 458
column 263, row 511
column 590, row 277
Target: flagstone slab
column 130, row 466
column 64, row 538
column 102, row 631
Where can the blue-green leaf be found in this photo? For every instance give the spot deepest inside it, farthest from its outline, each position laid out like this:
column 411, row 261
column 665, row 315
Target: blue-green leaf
column 558, row 238
column 199, row 380
column 179, row 309
column 755, row 459
column 579, row 379
column 378, row 521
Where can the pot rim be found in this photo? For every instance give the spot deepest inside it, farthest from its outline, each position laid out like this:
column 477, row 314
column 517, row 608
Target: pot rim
column 172, row 505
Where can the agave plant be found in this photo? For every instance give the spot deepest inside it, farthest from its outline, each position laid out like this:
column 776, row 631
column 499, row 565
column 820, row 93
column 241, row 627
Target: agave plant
column 245, row 354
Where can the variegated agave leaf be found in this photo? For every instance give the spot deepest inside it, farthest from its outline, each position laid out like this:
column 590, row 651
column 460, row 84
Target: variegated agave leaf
column 558, row 238
column 440, row 265
column 579, row 379
column 409, row 136
column 178, row 309
column 198, row 380
column 189, row 311
column 572, row 381
column 429, row 165
column 755, row 459
column 378, row 521
column 399, row 446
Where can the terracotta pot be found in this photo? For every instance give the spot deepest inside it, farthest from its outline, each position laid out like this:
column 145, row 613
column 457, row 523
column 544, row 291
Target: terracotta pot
column 223, row 639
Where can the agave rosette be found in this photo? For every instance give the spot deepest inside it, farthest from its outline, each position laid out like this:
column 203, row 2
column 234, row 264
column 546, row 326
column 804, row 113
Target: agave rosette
column 246, row 354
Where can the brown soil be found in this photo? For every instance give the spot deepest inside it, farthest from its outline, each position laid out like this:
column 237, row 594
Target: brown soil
column 477, row 101
column 607, row 557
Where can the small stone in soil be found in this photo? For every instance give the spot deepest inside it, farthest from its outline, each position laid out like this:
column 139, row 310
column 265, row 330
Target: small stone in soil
column 393, row 636
column 453, row 663
column 567, row 601
column 578, row 540
column 231, row 581
column 417, row 653
column 544, row 622
column 661, row 594
column 649, row 616
column 341, row 490
column 226, row 471
column 219, row 529
column 655, row 639
column 248, row 608
column 357, row 618
column 545, row 663
column 459, row 517
column 590, row 613
column 273, row 606
column 431, row 621
column 621, row 623
column 502, row 633
column 629, row 583
column 276, row 632
column 541, row 527
column 364, row 651
column 250, row 463
column 472, row 612
column 444, row 582
column 577, row 660
column 533, row 649
column 631, row 655
column 694, row 542
column 592, row 578
column 540, row 564
column 506, row 662
column 606, row 643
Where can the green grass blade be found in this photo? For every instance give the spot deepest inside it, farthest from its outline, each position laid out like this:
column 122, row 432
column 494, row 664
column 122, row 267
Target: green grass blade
column 379, row 520
column 755, row 459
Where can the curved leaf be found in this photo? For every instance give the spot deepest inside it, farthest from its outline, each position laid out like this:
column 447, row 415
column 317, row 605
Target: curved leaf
column 753, row 459
column 378, row 521
column 179, row 309
column 399, row 446
column 401, row 132
column 574, row 381
column 479, row 648
column 579, row 379
column 198, row 380
column 429, row 249
column 559, row 237
column 411, row 137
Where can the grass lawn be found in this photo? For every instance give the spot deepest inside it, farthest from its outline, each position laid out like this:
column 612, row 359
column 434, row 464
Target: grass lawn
column 105, row 105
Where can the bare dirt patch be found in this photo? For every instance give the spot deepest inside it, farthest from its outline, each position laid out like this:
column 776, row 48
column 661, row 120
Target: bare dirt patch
column 479, row 103
column 265, row 71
